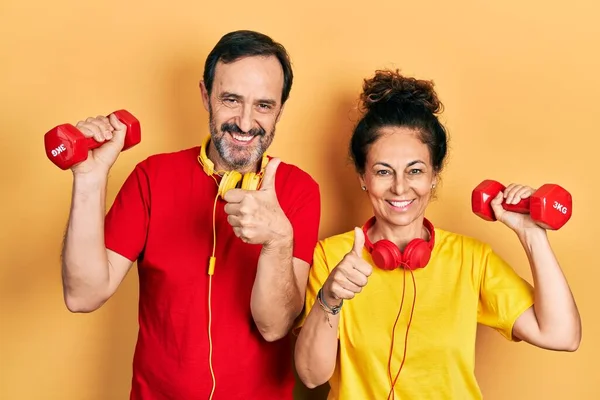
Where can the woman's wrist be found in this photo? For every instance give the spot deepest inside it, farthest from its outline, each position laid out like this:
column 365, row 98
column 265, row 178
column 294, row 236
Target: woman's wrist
column 328, row 303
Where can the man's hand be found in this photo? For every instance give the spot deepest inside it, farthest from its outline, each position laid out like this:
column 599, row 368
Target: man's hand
column 102, row 129
column 255, row 215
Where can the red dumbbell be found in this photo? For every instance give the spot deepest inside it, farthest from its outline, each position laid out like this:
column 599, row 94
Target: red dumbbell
column 66, row 146
column 550, row 206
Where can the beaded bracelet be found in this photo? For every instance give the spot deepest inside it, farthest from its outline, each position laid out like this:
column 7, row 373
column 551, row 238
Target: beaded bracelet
column 328, row 310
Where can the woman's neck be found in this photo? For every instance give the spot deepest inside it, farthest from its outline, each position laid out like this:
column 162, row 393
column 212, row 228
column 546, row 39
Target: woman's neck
column 399, row 235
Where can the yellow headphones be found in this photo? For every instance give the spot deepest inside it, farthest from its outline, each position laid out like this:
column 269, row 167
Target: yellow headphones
column 231, row 179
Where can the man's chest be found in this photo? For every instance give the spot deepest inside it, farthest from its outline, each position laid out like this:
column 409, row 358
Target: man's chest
column 187, row 226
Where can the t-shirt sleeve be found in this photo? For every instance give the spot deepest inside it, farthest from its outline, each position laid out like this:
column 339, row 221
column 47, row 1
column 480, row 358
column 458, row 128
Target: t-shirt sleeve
column 319, row 272
column 305, row 216
column 503, row 295
column 126, row 223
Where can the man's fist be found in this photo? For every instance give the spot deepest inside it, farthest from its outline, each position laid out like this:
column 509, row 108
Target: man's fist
column 255, row 215
column 350, row 275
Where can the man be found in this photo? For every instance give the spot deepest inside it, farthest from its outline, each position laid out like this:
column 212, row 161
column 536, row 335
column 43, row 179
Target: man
column 222, row 269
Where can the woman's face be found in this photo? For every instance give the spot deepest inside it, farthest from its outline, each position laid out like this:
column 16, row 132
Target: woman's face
column 399, row 177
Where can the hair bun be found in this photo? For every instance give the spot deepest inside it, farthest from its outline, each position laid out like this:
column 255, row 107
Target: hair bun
column 390, row 88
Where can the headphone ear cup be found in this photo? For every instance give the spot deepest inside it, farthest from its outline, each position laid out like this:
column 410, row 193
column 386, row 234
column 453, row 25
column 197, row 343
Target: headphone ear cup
column 251, row 181
column 386, row 255
column 229, row 181
column 417, row 254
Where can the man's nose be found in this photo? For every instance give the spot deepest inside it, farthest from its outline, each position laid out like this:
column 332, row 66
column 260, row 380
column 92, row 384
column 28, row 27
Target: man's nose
column 245, row 118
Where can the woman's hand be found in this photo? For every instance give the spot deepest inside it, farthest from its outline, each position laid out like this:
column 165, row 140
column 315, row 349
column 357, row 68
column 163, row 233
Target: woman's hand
column 513, row 194
column 348, row 278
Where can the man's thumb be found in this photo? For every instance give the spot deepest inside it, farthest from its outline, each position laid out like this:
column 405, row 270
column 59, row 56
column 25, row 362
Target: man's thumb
column 359, row 241
column 120, row 129
column 268, row 180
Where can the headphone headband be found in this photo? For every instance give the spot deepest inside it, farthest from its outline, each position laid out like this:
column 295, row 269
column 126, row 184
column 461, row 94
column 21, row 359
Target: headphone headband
column 207, row 165
column 426, row 223
column 388, row 256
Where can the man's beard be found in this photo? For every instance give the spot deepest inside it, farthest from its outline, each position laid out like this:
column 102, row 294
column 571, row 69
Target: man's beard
column 239, row 157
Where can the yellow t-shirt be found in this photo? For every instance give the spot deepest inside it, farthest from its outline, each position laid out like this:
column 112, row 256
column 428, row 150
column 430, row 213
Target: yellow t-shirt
column 465, row 283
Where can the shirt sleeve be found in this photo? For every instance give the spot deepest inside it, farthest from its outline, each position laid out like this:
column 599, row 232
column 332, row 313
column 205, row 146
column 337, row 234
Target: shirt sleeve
column 126, row 223
column 305, row 216
column 503, row 295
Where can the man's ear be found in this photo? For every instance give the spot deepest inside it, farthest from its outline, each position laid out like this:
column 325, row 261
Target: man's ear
column 205, row 96
column 280, row 112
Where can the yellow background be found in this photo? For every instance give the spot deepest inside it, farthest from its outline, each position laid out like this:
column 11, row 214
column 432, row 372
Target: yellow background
column 519, row 81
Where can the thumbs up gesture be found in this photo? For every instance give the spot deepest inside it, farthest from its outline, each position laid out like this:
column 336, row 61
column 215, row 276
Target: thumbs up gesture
column 255, row 215
column 350, row 275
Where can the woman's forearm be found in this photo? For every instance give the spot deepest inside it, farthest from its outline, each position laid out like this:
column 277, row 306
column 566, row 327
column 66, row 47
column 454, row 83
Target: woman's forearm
column 555, row 309
column 316, row 347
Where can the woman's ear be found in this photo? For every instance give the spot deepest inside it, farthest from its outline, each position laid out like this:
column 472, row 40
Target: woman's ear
column 434, row 181
column 363, row 184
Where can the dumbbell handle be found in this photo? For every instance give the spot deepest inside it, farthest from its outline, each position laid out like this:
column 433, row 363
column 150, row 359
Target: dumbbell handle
column 91, row 143
column 522, row 207
column 131, row 137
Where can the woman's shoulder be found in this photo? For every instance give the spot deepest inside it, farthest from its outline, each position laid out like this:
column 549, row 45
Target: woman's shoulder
column 338, row 240
column 455, row 240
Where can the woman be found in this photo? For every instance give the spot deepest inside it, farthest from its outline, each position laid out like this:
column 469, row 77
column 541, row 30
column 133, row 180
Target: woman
column 392, row 308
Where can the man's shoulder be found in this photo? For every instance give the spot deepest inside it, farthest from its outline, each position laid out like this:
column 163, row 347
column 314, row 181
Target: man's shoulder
column 289, row 173
column 170, row 159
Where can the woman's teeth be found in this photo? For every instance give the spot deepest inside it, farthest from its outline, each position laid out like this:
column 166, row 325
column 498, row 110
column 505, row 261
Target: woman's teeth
column 401, row 204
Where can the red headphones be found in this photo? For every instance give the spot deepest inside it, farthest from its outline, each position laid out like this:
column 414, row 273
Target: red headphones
column 388, row 256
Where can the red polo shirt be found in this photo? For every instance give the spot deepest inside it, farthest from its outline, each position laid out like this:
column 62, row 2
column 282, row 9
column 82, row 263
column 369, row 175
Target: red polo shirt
column 162, row 217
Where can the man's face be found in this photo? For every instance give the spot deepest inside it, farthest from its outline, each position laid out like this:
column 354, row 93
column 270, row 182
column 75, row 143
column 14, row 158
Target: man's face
column 244, row 107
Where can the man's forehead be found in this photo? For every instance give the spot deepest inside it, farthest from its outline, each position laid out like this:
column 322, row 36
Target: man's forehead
column 254, row 77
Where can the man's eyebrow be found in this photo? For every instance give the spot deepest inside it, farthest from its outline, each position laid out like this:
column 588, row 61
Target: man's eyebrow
column 267, row 101
column 229, row 95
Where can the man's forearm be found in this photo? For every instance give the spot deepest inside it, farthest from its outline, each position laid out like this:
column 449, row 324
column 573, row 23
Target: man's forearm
column 276, row 299
column 85, row 270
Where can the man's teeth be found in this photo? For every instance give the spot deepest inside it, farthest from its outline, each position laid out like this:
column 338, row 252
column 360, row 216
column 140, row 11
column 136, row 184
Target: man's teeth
column 242, row 138
column 401, row 204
